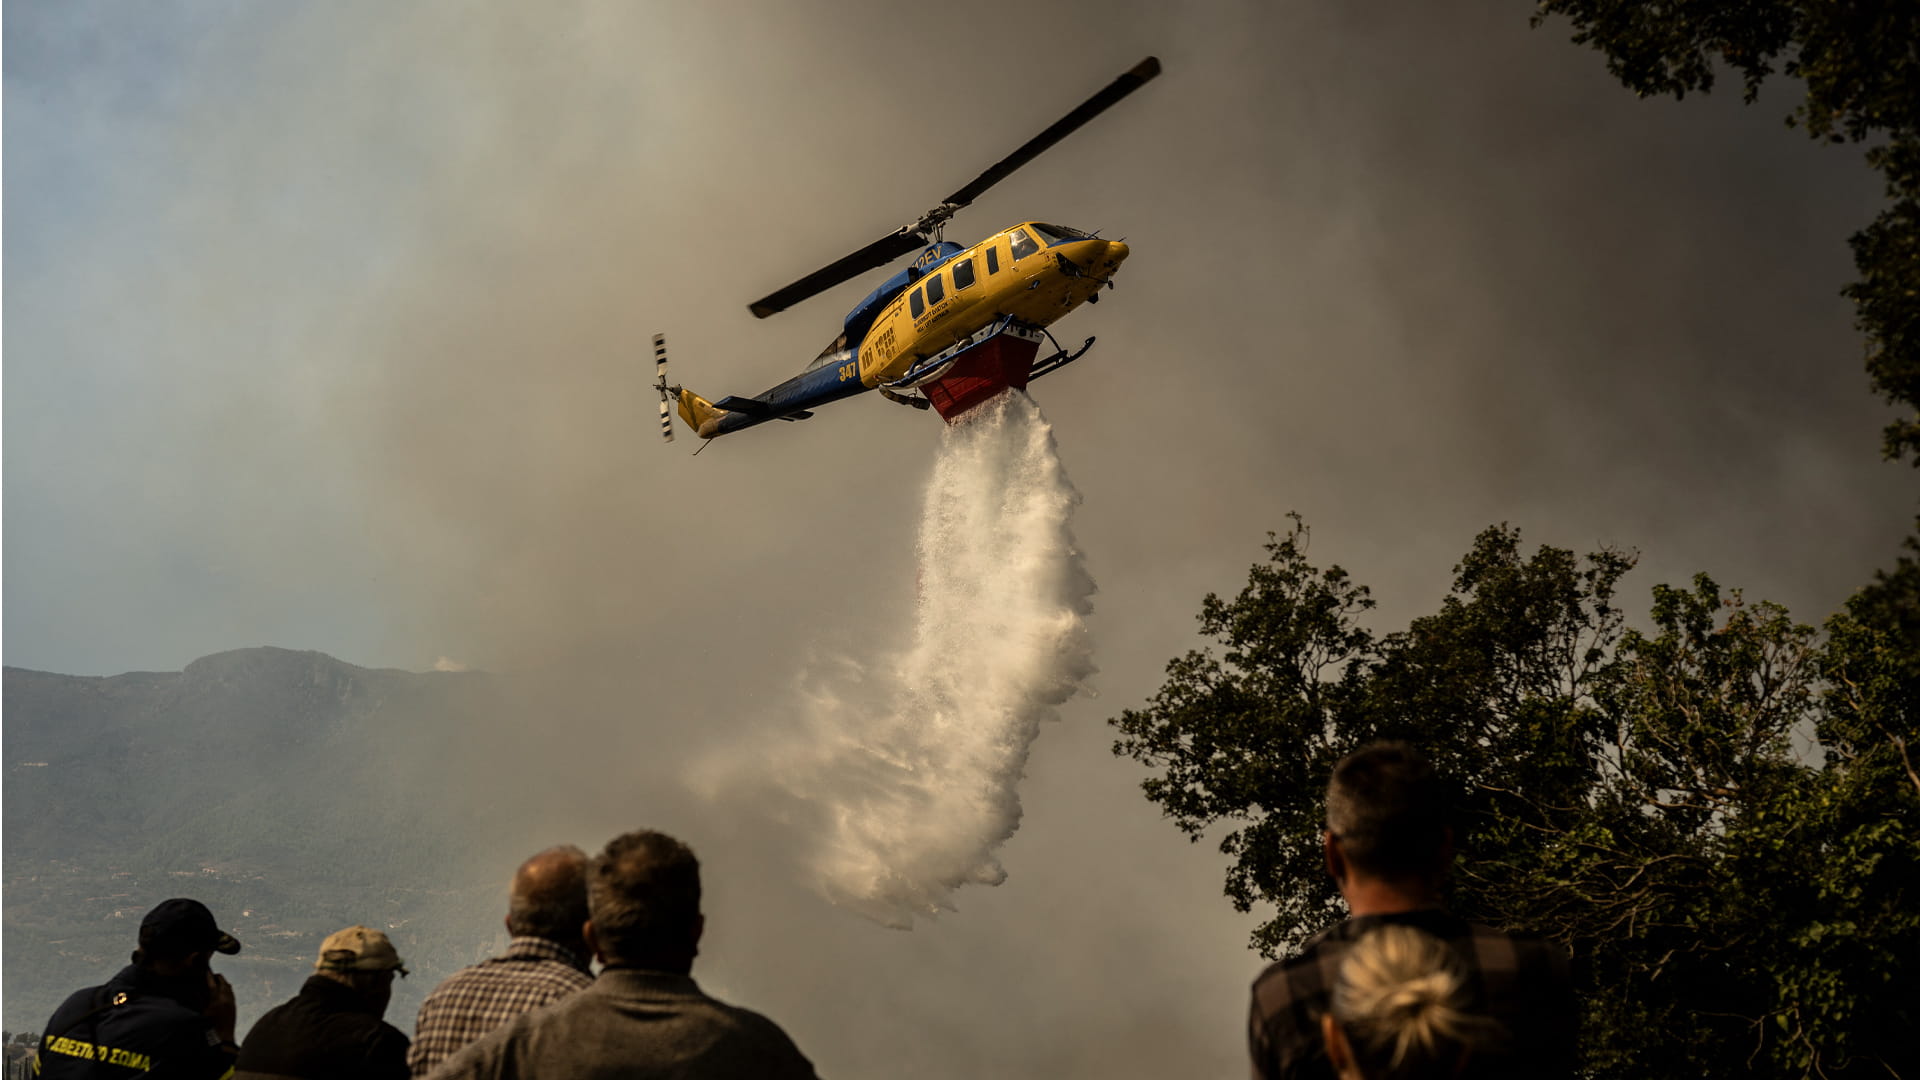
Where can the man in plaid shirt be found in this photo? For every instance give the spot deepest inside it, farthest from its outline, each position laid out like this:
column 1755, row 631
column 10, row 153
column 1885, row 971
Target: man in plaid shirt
column 546, row 961
column 1388, row 845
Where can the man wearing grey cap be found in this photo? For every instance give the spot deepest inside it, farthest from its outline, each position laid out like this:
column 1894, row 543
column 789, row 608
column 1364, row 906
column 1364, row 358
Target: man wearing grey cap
column 166, row 1012
column 332, row 1030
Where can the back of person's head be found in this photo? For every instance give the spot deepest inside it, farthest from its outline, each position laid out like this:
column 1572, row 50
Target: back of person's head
column 548, row 898
column 1403, row 1009
column 1389, row 811
column 644, row 899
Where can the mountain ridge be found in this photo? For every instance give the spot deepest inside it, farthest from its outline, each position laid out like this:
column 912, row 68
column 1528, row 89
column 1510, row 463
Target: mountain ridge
column 282, row 787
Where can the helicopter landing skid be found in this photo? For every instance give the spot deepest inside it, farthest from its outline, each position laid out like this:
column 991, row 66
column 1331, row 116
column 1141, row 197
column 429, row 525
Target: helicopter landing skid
column 1061, row 358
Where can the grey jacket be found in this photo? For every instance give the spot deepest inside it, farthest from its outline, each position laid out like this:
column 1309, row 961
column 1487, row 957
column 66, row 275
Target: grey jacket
column 632, row 1025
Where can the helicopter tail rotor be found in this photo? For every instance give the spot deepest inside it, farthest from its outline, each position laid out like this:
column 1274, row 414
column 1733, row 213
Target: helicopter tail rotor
column 667, row 393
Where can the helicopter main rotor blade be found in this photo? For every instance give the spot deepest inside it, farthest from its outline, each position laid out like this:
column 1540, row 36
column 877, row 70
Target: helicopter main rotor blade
column 1065, row 126
column 911, row 237
column 879, row 253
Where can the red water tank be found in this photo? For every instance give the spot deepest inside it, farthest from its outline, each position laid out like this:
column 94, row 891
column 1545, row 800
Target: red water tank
column 981, row 372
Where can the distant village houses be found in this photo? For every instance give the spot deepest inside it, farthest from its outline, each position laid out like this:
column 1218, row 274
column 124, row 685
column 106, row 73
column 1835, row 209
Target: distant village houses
column 19, row 1048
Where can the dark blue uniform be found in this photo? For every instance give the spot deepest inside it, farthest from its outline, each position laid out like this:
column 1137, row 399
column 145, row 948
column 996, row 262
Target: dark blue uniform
column 137, row 1024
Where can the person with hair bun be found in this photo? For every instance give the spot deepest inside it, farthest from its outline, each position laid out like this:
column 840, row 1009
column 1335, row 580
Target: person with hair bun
column 1388, row 844
column 1402, row 1010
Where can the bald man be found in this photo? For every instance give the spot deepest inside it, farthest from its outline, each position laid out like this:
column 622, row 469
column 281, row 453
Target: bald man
column 546, row 961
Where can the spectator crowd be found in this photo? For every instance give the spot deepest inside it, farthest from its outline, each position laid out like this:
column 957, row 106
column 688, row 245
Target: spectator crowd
column 1400, row 989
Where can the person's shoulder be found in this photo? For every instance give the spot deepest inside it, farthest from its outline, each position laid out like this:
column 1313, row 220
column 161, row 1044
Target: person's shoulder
column 486, row 1055
column 1306, row 962
column 556, row 977
column 160, row 1011
column 755, row 1021
column 768, row 1038
column 1518, row 940
column 459, row 990
column 1542, row 955
column 387, row 1048
column 499, row 973
column 387, row 1033
column 443, row 995
column 1517, row 955
column 1288, row 996
column 466, row 976
column 76, row 1004
column 281, row 1008
column 568, row 1002
column 1532, row 940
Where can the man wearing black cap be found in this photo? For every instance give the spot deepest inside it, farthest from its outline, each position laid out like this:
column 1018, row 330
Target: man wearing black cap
column 166, row 1012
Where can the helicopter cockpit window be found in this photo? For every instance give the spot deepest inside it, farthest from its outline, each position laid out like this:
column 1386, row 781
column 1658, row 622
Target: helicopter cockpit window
column 936, row 288
column 1023, row 244
column 993, row 260
column 1059, row 234
column 918, row 305
column 962, row 274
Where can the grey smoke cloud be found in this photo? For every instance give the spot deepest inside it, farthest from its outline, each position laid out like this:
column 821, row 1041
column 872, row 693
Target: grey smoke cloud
column 327, row 327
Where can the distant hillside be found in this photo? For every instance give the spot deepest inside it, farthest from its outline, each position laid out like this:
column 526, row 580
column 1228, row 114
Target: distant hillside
column 286, row 789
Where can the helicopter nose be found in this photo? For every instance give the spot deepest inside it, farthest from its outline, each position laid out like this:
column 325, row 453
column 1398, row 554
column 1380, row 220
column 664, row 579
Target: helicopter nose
column 1116, row 254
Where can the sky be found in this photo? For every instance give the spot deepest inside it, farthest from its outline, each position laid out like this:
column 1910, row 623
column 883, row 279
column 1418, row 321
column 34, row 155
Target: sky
column 327, row 326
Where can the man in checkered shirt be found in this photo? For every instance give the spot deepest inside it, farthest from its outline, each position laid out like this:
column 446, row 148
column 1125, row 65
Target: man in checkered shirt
column 1388, row 846
column 546, row 961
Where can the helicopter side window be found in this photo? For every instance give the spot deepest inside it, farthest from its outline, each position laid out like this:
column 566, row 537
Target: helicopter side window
column 936, row 289
column 919, row 306
column 993, row 260
column 962, row 274
column 1023, row 244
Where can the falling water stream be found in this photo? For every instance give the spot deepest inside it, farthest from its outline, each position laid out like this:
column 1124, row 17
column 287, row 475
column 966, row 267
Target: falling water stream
column 915, row 763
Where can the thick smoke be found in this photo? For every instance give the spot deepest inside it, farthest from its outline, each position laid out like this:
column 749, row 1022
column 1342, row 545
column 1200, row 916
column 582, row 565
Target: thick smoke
column 914, row 765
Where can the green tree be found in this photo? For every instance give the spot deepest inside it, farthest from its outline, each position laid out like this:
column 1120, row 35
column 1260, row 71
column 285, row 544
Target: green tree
column 1652, row 799
column 1859, row 62
column 1864, row 821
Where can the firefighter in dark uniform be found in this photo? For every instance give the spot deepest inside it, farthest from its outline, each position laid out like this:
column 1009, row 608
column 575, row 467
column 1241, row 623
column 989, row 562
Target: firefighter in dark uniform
column 166, row 1016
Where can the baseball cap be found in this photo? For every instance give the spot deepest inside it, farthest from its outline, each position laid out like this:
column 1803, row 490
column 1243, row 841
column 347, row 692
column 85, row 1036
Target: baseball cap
column 187, row 926
column 358, row 948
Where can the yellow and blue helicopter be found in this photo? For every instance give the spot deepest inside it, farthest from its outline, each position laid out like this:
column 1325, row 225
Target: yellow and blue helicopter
column 956, row 327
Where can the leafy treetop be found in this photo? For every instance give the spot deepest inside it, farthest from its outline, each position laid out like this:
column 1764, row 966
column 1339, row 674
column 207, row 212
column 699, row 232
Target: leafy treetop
column 1859, row 62
column 1729, row 891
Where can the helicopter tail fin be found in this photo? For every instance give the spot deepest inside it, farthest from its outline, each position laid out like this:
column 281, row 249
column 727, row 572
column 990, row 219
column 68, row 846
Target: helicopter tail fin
column 700, row 414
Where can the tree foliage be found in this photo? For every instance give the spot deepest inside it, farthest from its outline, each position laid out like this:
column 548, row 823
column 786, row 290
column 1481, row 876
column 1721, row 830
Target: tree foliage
column 1859, row 62
column 1731, row 891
